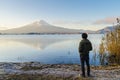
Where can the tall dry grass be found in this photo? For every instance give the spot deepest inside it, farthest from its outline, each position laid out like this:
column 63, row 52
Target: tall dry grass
column 111, row 44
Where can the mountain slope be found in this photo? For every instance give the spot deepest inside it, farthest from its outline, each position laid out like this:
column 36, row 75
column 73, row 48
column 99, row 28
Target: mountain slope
column 104, row 30
column 39, row 27
column 43, row 27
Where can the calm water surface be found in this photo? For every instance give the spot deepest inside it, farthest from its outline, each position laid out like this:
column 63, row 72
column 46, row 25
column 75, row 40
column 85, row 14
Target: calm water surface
column 47, row 49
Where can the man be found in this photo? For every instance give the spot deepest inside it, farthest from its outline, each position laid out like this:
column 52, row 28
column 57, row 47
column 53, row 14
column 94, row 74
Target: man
column 84, row 47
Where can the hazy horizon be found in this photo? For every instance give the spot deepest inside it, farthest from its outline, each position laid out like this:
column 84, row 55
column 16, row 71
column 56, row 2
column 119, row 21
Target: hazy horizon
column 72, row 14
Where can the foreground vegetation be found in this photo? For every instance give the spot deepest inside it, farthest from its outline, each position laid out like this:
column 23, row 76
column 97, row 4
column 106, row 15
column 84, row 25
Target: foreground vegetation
column 110, row 45
column 99, row 73
column 42, row 77
column 37, row 71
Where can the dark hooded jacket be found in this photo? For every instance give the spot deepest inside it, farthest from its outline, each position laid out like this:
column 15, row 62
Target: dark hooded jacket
column 84, row 47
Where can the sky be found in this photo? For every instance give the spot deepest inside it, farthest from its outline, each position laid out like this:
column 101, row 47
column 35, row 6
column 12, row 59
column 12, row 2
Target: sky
column 73, row 14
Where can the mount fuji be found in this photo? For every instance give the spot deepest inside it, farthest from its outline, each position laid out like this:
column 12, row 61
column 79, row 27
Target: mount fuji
column 42, row 27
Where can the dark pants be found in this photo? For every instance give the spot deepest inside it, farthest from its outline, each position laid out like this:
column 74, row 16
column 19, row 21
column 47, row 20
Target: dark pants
column 85, row 59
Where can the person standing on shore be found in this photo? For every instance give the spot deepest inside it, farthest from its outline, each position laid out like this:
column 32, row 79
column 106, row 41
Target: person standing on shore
column 84, row 47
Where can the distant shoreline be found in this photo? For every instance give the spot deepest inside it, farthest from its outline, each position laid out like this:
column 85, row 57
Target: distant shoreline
column 47, row 33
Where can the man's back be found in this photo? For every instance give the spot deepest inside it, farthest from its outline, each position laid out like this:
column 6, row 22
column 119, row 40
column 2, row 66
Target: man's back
column 84, row 47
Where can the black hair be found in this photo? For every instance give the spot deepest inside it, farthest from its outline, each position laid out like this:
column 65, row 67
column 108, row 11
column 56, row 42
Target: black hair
column 84, row 35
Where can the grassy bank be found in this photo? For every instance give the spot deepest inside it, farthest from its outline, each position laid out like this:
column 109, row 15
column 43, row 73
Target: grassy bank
column 43, row 77
column 37, row 71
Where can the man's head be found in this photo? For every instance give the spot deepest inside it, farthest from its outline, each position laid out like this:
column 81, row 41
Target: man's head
column 84, row 35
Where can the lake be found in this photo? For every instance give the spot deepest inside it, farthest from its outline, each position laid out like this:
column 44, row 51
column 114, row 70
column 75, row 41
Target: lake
column 47, row 49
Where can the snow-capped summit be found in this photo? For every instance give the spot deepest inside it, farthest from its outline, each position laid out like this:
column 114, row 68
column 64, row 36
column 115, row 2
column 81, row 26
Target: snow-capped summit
column 41, row 22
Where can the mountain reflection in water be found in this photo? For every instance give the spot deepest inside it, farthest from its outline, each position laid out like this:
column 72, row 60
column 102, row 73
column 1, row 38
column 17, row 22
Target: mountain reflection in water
column 48, row 49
